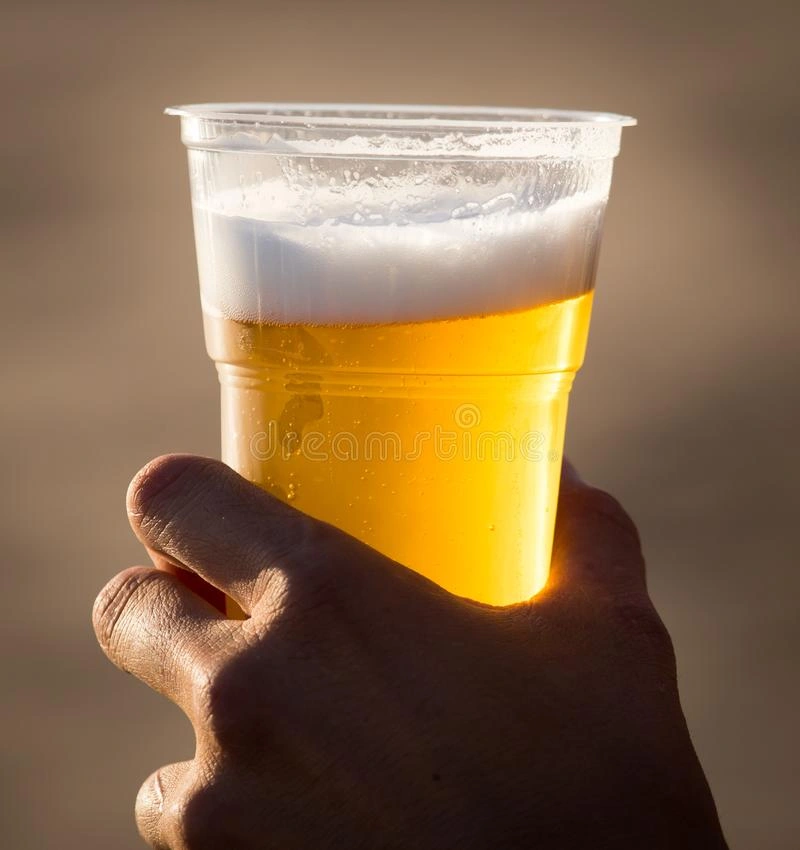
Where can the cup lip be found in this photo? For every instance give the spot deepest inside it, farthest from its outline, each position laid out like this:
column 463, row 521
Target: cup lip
column 396, row 117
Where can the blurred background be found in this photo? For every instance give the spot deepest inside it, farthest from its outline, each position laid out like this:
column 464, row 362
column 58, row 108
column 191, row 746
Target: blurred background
column 687, row 408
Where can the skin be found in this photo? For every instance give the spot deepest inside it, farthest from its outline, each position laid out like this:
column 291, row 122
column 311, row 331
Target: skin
column 359, row 705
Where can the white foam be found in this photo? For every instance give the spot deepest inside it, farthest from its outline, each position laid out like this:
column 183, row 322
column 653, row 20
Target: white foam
column 341, row 262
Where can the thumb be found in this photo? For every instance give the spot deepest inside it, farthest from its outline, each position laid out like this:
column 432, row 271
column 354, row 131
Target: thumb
column 596, row 545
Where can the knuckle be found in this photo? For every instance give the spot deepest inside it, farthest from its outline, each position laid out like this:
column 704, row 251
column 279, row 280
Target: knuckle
column 173, row 819
column 215, row 694
column 197, row 819
column 312, row 603
column 207, row 688
column 608, row 508
column 232, row 717
column 331, row 563
column 639, row 623
column 318, row 588
column 116, row 603
column 320, row 578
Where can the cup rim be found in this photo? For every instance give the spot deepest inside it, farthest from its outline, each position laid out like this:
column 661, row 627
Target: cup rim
column 397, row 117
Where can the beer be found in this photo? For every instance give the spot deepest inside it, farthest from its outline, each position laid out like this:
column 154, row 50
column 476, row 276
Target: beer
column 438, row 443
column 397, row 300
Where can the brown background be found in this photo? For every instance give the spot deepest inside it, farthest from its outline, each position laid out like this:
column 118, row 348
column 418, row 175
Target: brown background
column 687, row 408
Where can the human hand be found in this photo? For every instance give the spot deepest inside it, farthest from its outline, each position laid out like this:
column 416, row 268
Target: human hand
column 362, row 706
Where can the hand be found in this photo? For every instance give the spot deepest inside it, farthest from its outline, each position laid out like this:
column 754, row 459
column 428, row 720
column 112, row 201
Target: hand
column 361, row 706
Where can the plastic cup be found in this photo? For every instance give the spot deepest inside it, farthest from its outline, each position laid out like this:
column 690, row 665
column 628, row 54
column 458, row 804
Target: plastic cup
column 397, row 299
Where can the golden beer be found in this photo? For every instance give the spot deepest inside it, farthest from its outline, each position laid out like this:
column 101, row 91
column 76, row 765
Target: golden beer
column 438, row 443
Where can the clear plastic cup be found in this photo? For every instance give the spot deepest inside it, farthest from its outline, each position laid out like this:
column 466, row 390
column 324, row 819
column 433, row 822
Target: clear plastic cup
column 397, row 299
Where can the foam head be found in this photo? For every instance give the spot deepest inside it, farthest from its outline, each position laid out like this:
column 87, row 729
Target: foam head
column 367, row 250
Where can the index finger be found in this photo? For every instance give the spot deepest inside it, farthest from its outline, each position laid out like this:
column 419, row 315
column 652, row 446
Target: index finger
column 201, row 514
